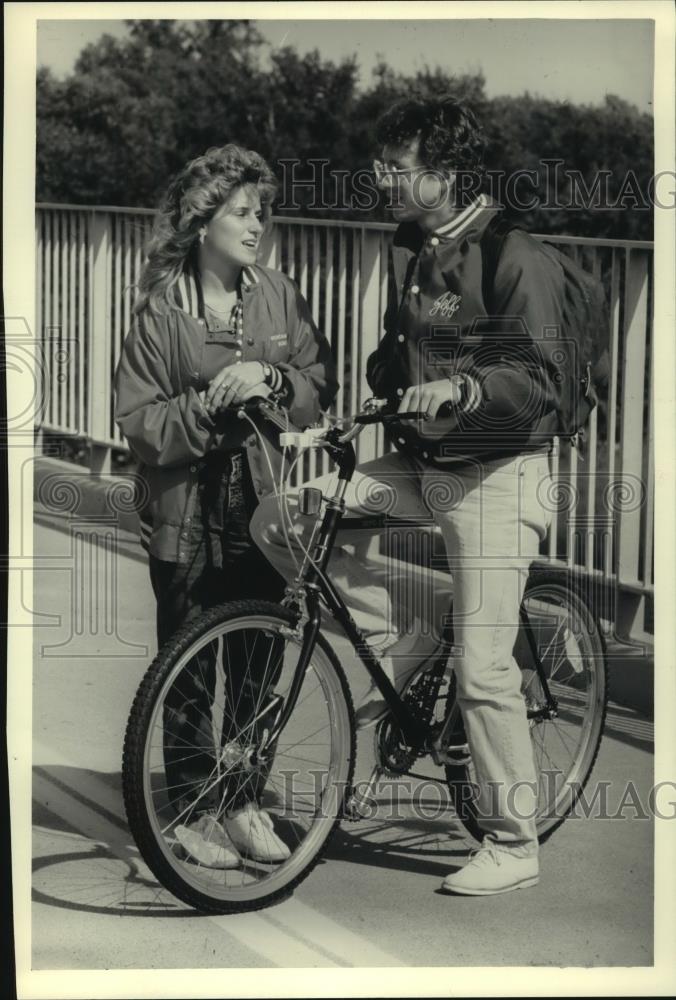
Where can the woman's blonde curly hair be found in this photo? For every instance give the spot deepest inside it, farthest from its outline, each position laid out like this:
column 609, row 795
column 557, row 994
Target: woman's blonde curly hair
column 191, row 200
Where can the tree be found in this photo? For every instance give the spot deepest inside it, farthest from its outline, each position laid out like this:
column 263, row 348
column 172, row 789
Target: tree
column 134, row 110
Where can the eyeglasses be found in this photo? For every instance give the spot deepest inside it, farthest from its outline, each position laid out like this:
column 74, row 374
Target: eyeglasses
column 381, row 170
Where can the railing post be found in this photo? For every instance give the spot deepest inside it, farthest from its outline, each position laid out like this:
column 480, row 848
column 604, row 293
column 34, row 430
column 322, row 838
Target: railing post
column 99, row 376
column 369, row 326
column 630, row 492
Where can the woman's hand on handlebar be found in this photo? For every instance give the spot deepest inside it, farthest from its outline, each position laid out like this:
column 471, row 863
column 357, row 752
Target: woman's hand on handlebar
column 233, row 384
column 430, row 396
column 256, row 392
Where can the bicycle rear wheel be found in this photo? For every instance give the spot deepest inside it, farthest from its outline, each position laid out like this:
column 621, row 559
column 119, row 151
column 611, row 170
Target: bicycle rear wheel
column 565, row 748
column 300, row 782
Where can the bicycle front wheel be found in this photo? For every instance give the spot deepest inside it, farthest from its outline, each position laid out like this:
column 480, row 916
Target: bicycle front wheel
column 565, row 747
column 197, row 743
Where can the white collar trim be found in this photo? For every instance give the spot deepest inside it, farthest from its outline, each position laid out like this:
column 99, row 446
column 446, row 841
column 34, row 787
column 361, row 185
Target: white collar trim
column 461, row 222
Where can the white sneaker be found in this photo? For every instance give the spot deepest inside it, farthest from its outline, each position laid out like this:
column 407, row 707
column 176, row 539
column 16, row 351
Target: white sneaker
column 206, row 842
column 491, row 871
column 400, row 661
column 251, row 831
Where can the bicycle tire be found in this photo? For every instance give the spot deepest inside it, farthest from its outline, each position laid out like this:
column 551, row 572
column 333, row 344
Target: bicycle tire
column 199, row 887
column 551, row 814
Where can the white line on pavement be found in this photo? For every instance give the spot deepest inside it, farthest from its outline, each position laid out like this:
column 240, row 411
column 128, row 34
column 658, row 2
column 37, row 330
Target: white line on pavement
column 353, row 949
column 258, row 933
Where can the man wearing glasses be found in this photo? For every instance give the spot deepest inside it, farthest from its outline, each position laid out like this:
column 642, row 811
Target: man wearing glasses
column 478, row 466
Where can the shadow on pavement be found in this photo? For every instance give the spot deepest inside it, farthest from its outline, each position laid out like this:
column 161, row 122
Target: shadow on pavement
column 96, row 867
column 98, row 881
column 408, row 843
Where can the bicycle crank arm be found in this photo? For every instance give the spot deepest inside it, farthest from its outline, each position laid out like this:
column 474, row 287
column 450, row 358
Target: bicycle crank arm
column 359, row 803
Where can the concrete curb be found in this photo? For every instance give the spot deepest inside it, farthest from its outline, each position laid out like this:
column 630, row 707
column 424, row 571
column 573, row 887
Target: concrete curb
column 64, row 490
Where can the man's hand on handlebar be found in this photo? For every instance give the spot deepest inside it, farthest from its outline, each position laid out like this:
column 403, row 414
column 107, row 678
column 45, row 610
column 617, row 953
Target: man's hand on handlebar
column 430, row 396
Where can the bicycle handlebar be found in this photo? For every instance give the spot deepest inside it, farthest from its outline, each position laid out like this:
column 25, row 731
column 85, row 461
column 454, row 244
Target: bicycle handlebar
column 272, row 411
column 388, row 418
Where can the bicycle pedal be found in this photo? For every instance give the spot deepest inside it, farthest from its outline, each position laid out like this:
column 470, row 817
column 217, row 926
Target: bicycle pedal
column 458, row 756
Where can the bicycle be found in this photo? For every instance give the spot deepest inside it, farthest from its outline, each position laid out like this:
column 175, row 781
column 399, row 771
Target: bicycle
column 286, row 730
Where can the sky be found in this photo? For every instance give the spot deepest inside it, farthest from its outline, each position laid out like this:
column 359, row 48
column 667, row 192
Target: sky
column 574, row 60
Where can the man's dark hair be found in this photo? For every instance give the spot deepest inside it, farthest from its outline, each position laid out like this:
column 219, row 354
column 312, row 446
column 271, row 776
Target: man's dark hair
column 449, row 134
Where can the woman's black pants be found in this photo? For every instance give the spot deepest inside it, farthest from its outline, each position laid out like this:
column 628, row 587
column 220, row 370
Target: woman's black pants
column 223, row 565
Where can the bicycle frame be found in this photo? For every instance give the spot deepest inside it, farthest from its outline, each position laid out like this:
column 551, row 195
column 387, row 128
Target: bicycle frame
column 313, row 584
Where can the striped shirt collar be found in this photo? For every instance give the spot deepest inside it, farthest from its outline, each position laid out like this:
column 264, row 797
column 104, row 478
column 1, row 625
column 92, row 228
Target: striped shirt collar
column 472, row 217
column 189, row 295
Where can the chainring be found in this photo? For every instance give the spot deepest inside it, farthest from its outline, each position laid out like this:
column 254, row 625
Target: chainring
column 420, row 694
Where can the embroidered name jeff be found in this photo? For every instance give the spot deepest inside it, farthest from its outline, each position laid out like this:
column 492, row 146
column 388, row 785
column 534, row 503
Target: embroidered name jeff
column 446, row 305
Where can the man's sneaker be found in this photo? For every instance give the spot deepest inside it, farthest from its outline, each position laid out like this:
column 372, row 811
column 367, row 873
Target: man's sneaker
column 399, row 662
column 251, row 831
column 491, row 871
column 206, row 842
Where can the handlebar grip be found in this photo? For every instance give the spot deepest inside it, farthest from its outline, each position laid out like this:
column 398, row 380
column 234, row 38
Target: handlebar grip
column 407, row 415
column 250, row 406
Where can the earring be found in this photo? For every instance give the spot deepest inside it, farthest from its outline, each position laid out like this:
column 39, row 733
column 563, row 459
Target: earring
column 203, row 234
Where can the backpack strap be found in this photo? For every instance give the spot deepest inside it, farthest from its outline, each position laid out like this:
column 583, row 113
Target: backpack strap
column 492, row 242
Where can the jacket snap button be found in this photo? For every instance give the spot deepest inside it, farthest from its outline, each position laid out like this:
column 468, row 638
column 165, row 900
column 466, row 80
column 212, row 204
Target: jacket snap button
column 401, row 338
column 193, row 468
column 401, row 440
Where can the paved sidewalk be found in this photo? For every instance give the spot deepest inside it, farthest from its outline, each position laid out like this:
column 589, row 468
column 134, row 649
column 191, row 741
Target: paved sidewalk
column 373, row 902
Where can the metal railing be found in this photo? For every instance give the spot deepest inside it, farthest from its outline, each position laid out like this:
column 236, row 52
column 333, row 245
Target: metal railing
column 88, row 259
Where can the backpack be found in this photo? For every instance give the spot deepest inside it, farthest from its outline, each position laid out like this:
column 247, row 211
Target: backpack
column 584, row 327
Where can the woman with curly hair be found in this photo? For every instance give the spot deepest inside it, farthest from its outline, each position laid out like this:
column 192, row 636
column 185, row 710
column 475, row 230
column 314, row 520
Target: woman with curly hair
column 213, row 328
